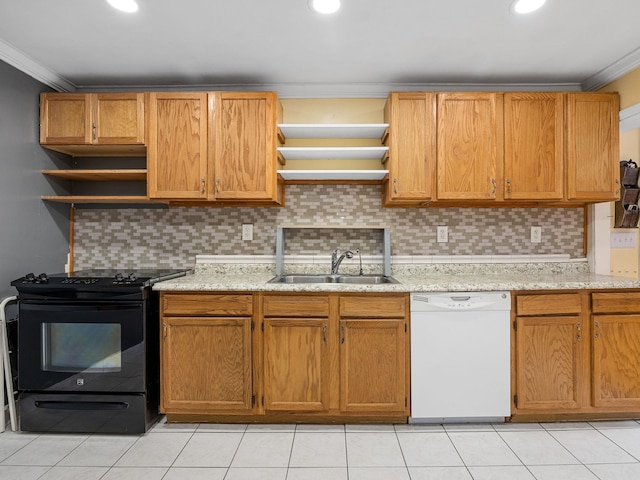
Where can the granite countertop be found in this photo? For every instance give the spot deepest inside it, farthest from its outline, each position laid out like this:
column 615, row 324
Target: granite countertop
column 442, row 279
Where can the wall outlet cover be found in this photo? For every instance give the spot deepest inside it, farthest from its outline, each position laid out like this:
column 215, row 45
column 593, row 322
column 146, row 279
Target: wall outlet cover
column 247, row 231
column 536, row 234
column 442, row 234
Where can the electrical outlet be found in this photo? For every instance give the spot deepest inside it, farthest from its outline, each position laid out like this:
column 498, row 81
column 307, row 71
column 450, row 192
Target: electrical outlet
column 536, row 234
column 247, row 231
column 442, row 234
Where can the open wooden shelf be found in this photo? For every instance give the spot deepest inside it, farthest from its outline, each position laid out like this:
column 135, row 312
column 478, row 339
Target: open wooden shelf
column 100, row 175
column 116, row 199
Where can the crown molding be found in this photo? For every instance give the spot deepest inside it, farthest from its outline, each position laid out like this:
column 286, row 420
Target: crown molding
column 614, row 71
column 17, row 59
column 630, row 118
column 346, row 90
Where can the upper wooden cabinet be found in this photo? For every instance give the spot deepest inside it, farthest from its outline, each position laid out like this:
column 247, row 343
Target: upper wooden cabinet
column 243, row 145
column 111, row 123
column 213, row 147
column 411, row 159
column 533, row 146
column 469, row 145
column 177, row 151
column 593, row 146
column 495, row 149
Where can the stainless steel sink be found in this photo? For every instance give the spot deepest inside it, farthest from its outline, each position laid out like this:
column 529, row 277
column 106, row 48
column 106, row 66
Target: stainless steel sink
column 366, row 279
column 302, row 279
column 346, row 279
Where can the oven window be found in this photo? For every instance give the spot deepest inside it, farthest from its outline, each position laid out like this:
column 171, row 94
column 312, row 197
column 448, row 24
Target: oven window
column 81, row 347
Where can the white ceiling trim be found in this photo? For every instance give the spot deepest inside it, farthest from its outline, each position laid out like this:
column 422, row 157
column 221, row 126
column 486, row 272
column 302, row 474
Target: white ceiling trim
column 630, row 118
column 350, row 90
column 613, row 72
column 25, row 64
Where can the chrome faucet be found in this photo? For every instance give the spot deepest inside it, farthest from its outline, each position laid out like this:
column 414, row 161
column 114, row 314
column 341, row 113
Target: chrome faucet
column 337, row 260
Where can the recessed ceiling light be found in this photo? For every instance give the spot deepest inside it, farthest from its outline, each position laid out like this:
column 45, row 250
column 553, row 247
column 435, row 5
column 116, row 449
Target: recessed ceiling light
column 526, row 6
column 129, row 6
column 325, row 6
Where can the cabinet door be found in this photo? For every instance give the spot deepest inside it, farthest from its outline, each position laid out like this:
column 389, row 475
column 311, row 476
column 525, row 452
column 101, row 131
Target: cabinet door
column 206, row 365
column 616, row 361
column 177, row 149
column 593, row 147
column 550, row 356
column 244, row 145
column 469, row 146
column 65, row 119
column 411, row 140
column 296, row 364
column 118, row 118
column 372, row 366
column 533, row 146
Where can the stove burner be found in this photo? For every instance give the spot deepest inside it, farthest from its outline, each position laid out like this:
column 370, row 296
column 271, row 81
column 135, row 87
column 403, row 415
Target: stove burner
column 31, row 278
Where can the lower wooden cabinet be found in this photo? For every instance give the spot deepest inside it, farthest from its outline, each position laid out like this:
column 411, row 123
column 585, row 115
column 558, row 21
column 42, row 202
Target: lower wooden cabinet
column 206, row 353
column 311, row 342
column 576, row 353
column 284, row 355
column 373, row 355
column 297, row 354
column 616, row 350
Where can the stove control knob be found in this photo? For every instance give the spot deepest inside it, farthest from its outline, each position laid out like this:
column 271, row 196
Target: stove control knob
column 119, row 277
column 132, row 277
column 42, row 278
column 29, row 278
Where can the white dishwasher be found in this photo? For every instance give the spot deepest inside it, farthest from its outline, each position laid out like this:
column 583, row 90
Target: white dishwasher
column 460, row 357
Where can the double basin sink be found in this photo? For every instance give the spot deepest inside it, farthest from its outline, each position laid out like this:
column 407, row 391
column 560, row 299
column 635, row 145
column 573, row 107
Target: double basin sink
column 345, row 279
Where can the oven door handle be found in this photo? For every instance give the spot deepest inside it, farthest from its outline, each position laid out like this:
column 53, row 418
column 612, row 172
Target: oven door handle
column 63, row 405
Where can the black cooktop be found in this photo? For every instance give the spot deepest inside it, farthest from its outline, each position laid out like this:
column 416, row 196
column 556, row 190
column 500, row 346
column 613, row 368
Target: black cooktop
column 99, row 278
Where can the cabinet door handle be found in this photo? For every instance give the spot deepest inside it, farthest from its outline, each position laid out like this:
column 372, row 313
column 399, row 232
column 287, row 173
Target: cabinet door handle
column 217, row 185
column 93, row 130
column 164, row 332
column 324, row 334
column 597, row 333
column 579, row 335
column 395, row 186
column 342, row 331
column 202, row 183
column 493, row 184
column 509, row 185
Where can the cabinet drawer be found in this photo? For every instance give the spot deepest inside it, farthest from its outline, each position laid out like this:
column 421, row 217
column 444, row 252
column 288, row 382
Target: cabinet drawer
column 295, row 306
column 372, row 306
column 617, row 302
column 206, row 304
column 552, row 304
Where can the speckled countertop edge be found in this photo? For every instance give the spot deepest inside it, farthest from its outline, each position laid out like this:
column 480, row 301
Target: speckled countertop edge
column 256, row 279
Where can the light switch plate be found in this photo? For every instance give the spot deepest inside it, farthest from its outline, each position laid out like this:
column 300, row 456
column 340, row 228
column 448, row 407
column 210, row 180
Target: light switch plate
column 623, row 240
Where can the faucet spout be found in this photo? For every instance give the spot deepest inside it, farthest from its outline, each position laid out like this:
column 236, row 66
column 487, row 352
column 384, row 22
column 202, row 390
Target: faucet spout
column 336, row 259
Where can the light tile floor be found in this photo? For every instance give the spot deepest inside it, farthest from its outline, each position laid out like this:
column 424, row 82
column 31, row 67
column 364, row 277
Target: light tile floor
column 547, row 451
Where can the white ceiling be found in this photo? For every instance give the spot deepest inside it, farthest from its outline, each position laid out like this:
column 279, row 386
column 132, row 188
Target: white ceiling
column 368, row 47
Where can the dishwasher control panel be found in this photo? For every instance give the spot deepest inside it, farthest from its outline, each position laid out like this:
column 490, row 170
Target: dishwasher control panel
column 460, row 301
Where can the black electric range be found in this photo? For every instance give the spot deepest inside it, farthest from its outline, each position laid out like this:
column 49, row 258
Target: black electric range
column 88, row 350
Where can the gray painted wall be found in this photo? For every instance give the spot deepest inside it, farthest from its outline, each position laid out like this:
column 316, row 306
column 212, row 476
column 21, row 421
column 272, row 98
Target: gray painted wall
column 34, row 235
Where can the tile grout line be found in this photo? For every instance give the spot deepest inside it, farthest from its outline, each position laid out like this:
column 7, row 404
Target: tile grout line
column 244, row 433
column 527, row 466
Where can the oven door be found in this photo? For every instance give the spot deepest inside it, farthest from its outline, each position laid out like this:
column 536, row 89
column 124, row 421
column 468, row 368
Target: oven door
column 81, row 347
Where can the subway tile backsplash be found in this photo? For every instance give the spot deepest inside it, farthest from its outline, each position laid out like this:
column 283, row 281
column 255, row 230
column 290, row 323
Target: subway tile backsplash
column 171, row 238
